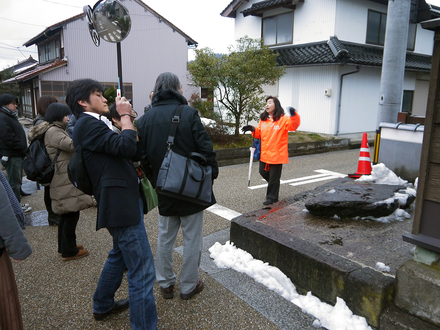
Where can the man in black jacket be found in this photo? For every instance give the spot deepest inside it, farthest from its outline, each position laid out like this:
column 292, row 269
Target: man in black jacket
column 108, row 162
column 13, row 144
column 191, row 136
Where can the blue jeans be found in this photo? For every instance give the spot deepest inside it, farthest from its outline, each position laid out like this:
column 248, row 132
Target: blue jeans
column 14, row 172
column 131, row 249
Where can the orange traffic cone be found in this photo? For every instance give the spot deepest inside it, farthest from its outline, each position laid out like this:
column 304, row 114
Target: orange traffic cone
column 364, row 166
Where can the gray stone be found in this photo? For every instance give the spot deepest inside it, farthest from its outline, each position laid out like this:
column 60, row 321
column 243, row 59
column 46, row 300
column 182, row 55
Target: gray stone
column 418, row 290
column 393, row 318
column 356, row 199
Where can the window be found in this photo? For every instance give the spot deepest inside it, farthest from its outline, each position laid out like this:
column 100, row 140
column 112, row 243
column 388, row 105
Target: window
column 376, row 30
column 376, row 27
column 412, row 30
column 278, row 29
column 49, row 51
column 407, row 101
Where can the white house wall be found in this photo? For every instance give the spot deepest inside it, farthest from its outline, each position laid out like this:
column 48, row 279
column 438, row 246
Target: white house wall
column 360, row 101
column 150, row 49
column 304, row 89
column 314, row 21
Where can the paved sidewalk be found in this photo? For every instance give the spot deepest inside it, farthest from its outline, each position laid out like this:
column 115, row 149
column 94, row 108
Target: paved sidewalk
column 58, row 295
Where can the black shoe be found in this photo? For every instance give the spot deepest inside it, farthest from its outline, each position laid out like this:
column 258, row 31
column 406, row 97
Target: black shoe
column 119, row 306
column 197, row 289
column 269, row 202
column 22, row 193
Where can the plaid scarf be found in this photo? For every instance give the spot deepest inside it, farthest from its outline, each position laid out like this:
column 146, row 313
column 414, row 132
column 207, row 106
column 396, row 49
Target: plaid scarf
column 10, row 112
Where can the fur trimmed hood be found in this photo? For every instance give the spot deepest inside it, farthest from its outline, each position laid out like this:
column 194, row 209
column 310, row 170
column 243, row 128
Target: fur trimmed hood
column 37, row 132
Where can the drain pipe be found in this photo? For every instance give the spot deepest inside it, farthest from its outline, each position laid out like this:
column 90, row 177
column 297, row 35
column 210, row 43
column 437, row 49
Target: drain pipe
column 338, row 114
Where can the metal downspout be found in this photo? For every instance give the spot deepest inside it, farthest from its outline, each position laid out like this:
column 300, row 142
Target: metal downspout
column 338, row 114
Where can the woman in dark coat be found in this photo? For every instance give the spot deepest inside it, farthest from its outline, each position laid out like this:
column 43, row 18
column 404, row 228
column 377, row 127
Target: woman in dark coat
column 191, row 136
column 38, row 130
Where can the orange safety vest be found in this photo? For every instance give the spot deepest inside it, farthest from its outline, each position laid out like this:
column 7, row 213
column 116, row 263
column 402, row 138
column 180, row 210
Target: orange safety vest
column 274, row 138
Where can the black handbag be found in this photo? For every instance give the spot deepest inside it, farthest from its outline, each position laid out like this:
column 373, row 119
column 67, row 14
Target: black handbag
column 186, row 178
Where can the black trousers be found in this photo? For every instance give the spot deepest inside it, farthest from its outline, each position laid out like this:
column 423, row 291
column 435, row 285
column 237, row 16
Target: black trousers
column 272, row 174
column 48, row 203
column 67, row 235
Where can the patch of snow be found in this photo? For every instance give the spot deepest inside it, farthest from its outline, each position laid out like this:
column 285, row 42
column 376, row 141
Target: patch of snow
column 382, row 267
column 331, row 317
column 380, row 174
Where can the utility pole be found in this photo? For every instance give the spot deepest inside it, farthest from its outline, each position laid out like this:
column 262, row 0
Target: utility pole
column 394, row 57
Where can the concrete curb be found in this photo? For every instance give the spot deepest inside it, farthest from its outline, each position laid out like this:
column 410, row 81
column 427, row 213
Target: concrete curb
column 235, row 156
column 311, row 268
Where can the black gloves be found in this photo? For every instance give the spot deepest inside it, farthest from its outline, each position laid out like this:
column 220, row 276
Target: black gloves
column 292, row 111
column 248, row 128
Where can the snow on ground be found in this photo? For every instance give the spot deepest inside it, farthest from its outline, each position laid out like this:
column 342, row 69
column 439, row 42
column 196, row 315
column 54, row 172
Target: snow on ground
column 380, row 174
column 338, row 317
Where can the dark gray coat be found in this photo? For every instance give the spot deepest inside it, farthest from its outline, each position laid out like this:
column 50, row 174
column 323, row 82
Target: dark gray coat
column 154, row 128
column 12, row 137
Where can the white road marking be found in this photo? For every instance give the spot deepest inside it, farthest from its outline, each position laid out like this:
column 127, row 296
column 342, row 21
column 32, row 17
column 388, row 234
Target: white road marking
column 325, row 175
column 229, row 214
column 223, row 212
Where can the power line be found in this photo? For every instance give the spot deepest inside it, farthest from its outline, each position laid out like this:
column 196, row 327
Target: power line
column 63, row 4
column 7, row 19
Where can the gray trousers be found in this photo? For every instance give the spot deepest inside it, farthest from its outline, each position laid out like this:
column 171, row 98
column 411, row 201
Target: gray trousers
column 192, row 226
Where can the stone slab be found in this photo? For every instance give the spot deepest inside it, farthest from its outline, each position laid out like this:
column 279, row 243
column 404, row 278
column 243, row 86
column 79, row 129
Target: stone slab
column 418, row 290
column 330, row 257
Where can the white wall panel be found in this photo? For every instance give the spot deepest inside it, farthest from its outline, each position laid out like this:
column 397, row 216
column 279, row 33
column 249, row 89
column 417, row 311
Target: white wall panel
column 360, row 101
column 314, row 21
column 303, row 88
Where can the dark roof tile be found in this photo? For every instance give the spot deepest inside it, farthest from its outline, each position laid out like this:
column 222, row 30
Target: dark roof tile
column 335, row 51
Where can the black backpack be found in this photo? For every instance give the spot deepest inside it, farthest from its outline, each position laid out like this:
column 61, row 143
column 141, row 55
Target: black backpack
column 37, row 164
column 76, row 169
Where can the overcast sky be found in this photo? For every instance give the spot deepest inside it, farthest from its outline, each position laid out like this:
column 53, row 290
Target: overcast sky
column 21, row 20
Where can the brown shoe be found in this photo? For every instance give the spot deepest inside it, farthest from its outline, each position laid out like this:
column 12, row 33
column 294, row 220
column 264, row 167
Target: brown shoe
column 197, row 289
column 80, row 254
column 167, row 293
column 79, row 247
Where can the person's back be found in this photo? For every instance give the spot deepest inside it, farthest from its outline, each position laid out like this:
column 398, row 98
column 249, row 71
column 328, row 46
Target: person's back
column 154, row 128
column 107, row 157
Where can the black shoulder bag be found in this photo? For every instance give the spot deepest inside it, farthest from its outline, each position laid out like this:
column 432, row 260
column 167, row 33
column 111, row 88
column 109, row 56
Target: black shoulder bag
column 76, row 169
column 186, row 178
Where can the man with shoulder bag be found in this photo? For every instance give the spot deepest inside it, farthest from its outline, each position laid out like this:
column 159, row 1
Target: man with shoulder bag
column 154, row 129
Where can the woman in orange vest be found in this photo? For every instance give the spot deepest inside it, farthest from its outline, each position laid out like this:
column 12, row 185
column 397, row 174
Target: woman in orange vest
column 273, row 131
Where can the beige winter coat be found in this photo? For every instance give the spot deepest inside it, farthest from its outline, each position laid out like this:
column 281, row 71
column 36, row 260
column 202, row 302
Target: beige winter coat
column 65, row 196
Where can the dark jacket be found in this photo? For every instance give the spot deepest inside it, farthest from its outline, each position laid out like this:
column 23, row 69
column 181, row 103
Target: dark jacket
column 154, row 128
column 12, row 137
column 107, row 156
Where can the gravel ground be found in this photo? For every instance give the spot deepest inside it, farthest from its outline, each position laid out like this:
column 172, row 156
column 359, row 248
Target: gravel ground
column 58, row 295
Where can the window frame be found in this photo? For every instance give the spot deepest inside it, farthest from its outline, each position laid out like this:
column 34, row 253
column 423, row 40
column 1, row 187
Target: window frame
column 276, row 29
column 381, row 23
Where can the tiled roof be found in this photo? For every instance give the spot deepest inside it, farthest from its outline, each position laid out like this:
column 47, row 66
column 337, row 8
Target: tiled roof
column 38, row 70
column 259, row 7
column 335, row 51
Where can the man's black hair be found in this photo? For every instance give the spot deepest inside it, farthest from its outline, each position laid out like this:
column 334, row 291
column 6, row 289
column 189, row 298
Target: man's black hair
column 80, row 90
column 6, row 99
column 56, row 112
